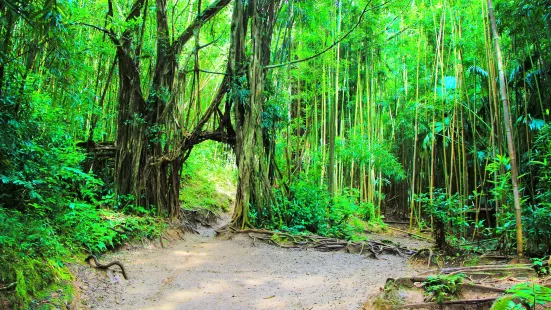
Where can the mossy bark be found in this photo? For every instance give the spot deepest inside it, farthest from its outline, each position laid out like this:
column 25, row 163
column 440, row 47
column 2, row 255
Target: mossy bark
column 149, row 155
column 254, row 189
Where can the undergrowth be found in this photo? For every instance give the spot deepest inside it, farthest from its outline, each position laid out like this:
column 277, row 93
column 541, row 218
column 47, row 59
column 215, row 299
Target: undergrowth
column 52, row 212
column 35, row 248
column 524, row 296
column 308, row 208
column 444, row 287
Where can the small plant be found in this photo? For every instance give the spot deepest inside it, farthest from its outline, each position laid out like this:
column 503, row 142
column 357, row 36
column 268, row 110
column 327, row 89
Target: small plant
column 449, row 216
column 443, row 288
column 524, row 296
column 541, row 266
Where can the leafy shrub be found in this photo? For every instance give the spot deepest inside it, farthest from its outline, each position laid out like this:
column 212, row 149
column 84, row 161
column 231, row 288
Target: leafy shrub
column 524, row 296
column 442, row 288
column 449, row 214
column 536, row 221
column 49, row 210
column 308, row 208
column 536, row 218
column 541, row 266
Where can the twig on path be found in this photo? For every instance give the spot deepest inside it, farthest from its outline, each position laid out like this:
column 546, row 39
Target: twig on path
column 180, row 236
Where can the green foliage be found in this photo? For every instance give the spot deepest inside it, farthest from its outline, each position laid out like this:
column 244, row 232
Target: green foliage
column 34, row 245
column 449, row 210
column 541, row 266
column 375, row 155
column 524, row 296
column 208, row 179
column 442, row 288
column 30, row 254
column 308, row 208
column 537, row 215
column 536, row 220
column 305, row 209
column 49, row 207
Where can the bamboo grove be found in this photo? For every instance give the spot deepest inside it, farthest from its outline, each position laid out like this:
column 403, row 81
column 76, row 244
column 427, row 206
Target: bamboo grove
column 407, row 114
column 340, row 113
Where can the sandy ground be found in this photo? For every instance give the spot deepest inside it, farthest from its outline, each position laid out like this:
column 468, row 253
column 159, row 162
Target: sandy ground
column 204, row 272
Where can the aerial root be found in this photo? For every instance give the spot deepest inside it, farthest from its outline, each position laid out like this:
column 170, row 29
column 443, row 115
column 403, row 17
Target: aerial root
column 325, row 244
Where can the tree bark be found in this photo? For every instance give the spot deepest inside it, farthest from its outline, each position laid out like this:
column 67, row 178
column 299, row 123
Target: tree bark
column 254, row 188
column 149, row 157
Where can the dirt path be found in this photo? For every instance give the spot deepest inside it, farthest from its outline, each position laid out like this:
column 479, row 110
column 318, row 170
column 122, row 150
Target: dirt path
column 206, row 273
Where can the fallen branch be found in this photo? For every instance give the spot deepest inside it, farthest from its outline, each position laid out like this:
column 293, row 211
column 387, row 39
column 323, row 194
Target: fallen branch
column 473, row 269
column 496, row 257
column 484, row 288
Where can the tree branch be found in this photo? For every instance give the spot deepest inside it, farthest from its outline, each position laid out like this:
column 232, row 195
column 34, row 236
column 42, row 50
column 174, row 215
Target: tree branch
column 332, row 45
column 204, row 17
column 207, row 71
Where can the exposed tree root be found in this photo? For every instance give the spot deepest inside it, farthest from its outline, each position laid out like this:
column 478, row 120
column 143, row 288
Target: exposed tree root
column 320, row 243
column 473, row 286
column 8, row 286
column 451, row 302
column 100, row 266
column 476, row 286
column 483, row 268
column 411, row 234
column 421, row 251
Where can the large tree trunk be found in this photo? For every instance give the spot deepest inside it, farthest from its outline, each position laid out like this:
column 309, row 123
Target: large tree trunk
column 149, row 156
column 254, row 188
column 138, row 170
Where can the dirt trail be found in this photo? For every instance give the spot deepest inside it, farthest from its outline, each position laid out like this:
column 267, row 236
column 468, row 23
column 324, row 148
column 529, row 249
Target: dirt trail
column 204, row 272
